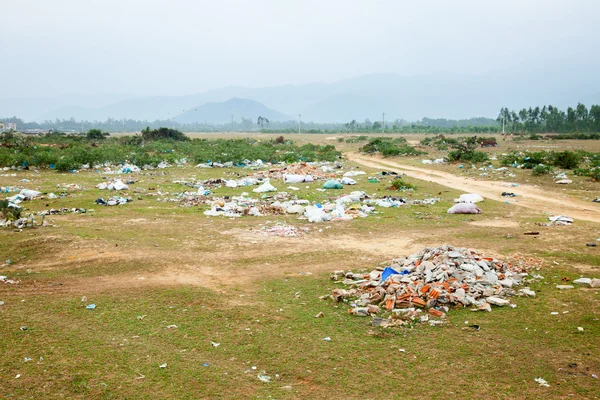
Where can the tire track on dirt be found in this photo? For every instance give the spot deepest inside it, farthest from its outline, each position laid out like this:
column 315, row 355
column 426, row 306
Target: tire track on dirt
column 528, row 196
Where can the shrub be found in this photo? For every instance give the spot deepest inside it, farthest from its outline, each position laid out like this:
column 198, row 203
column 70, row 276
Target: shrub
column 96, row 134
column 400, row 184
column 566, row 159
column 280, row 140
column 9, row 213
column 470, row 156
column 357, row 139
column 388, row 147
column 163, row 133
column 541, row 169
column 593, row 173
column 66, row 163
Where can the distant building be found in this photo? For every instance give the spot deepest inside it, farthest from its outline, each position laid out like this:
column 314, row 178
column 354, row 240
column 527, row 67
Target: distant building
column 7, row 126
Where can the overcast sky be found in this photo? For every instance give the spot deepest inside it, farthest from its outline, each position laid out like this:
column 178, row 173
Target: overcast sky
column 141, row 47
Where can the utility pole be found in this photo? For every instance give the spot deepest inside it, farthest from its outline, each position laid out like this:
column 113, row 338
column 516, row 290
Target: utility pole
column 382, row 122
column 299, row 115
column 503, row 125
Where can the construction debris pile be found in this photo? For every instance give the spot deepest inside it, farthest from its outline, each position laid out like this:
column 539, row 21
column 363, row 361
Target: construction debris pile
column 429, row 283
column 311, row 171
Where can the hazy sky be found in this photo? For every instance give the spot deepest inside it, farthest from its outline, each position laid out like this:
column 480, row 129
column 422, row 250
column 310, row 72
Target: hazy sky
column 141, row 47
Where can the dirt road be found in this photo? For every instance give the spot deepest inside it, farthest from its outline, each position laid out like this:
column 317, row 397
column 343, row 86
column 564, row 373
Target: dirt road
column 528, row 196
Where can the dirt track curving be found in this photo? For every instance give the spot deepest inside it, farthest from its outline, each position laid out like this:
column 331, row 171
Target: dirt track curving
column 528, row 196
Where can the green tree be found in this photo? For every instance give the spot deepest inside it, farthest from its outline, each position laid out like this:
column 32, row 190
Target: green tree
column 96, row 134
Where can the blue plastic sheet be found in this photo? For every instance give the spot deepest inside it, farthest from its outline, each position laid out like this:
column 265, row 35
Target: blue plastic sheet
column 387, row 272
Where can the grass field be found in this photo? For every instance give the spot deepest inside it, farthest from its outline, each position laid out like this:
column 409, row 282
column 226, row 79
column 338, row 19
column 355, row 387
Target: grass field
column 148, row 265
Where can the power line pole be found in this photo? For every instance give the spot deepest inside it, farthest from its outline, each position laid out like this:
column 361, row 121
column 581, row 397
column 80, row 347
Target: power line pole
column 382, row 122
column 299, row 115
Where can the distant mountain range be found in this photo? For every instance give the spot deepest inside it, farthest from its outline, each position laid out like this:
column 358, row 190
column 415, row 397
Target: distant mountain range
column 440, row 95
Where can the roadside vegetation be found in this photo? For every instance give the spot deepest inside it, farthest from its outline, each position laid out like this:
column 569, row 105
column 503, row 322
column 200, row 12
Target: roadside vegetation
column 582, row 163
column 70, row 152
column 389, row 147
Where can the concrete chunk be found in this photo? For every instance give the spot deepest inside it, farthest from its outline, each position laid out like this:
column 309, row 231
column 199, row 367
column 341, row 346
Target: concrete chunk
column 497, row 301
column 584, row 282
column 565, row 287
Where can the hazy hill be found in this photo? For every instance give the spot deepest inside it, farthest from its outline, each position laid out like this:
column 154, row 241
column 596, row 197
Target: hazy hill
column 441, row 95
column 221, row 112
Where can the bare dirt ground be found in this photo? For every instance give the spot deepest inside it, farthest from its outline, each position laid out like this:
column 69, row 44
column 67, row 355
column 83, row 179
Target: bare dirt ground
column 528, row 196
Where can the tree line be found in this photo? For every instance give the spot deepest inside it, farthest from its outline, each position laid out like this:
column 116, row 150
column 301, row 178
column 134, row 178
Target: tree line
column 550, row 119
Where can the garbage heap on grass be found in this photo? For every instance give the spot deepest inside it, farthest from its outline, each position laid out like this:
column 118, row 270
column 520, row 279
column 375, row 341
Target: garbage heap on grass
column 430, row 283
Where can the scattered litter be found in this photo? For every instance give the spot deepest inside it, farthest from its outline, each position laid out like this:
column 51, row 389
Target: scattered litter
column 205, row 364
column 332, row 184
column 560, row 220
column 163, row 365
column 585, row 282
column 565, row 287
column 469, row 198
column 320, row 315
column 508, row 194
column 542, row 382
column 90, row 306
column 284, row 230
column 327, row 339
column 112, row 185
column 171, row 326
column 464, row 208
column 264, row 188
column 564, row 182
column 580, row 329
column 214, row 344
column 264, row 378
column 113, row 201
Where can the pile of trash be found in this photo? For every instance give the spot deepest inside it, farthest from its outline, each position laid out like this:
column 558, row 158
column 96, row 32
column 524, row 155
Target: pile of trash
column 114, row 201
column 435, row 279
column 559, row 220
column 309, row 172
column 116, row 184
column 4, row 279
column 390, row 201
column 244, row 164
column 238, row 206
column 24, row 194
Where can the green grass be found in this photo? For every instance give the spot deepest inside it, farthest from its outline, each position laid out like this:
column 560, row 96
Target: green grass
column 263, row 311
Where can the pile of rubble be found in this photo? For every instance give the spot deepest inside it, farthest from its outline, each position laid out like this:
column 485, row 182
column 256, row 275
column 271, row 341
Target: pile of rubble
column 238, row 206
column 290, row 173
column 433, row 280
